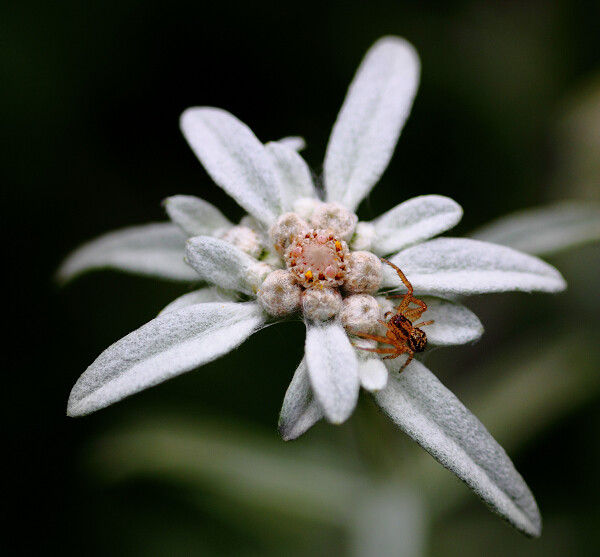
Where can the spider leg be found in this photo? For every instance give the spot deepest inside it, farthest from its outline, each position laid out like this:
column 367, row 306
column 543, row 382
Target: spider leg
column 408, row 360
column 420, row 303
column 423, row 323
column 382, row 351
column 413, row 314
column 400, row 274
column 409, row 295
column 406, row 300
column 371, row 337
column 398, row 351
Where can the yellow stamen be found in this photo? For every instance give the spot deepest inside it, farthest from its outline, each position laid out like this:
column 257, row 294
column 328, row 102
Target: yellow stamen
column 338, row 246
column 308, row 275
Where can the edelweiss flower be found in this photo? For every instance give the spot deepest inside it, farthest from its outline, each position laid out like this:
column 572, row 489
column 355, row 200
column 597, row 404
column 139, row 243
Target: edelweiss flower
column 302, row 253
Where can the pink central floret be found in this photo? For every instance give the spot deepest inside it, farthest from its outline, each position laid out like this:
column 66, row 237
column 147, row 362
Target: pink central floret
column 317, row 259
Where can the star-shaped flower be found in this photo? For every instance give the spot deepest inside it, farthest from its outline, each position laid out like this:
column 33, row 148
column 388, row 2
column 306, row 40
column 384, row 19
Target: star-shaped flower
column 301, row 253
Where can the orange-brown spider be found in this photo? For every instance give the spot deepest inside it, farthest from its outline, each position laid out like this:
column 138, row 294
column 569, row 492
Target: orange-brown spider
column 401, row 334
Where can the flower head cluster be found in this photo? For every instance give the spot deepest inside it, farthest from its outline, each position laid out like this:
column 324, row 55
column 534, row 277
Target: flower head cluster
column 301, row 252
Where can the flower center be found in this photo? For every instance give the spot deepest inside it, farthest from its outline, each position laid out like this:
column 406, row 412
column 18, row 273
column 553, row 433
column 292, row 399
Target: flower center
column 317, row 258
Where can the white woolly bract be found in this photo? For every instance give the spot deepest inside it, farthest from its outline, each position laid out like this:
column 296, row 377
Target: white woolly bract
column 195, row 216
column 364, row 236
column 332, row 369
column 235, row 159
column 294, row 174
column 300, row 410
column 414, row 221
column 151, row 249
column 367, row 128
column 431, row 415
column 463, row 266
column 221, row 263
column 372, row 372
column 201, row 296
column 295, row 142
column 453, row 323
column 171, row 344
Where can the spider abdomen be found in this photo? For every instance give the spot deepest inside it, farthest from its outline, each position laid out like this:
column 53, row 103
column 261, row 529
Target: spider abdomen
column 417, row 340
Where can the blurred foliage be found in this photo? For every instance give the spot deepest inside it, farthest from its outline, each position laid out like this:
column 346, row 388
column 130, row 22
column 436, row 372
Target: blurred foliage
column 506, row 118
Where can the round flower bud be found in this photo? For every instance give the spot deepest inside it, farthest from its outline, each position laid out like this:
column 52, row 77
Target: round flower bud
column 361, row 313
column 363, row 273
column 250, row 222
column 335, row 217
column 287, row 227
column 305, row 207
column 245, row 239
column 385, row 304
column 257, row 274
column 364, row 235
column 321, row 304
column 279, row 294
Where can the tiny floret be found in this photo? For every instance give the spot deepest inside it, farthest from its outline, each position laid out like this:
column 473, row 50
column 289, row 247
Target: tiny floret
column 305, row 207
column 244, row 238
column 250, row 222
column 257, row 274
column 363, row 273
column 317, row 259
column 335, row 217
column 361, row 312
column 279, row 294
column 321, row 304
column 287, row 227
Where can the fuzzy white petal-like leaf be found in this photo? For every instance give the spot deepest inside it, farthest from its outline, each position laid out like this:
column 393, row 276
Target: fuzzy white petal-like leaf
column 169, row 345
column 332, row 369
column 195, row 216
column 294, row 175
column 453, row 322
column 293, row 142
column 369, row 123
column 545, row 230
column 372, row 373
column 431, row 415
column 300, row 410
column 201, row 296
column 235, row 159
column 465, row 266
column 414, row 221
column 152, row 249
column 221, row 263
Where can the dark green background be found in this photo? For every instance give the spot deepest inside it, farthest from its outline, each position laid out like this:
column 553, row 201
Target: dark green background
column 91, row 96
